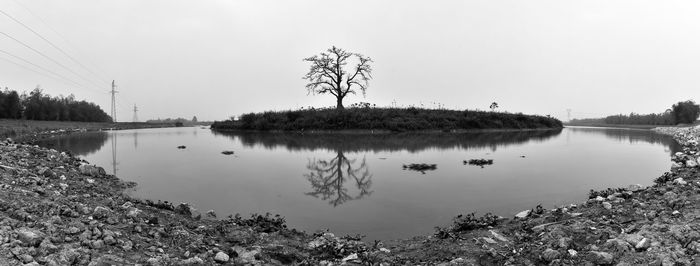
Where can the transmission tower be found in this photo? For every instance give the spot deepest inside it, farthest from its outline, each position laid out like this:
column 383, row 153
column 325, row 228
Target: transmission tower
column 136, row 118
column 114, row 107
column 568, row 114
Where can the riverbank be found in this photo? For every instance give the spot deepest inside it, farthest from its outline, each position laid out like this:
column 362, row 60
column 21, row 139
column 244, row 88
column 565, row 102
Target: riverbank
column 386, row 119
column 603, row 125
column 33, row 129
column 56, row 210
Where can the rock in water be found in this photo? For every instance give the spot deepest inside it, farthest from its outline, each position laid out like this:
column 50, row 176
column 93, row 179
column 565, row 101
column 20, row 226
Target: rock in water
column 221, row 257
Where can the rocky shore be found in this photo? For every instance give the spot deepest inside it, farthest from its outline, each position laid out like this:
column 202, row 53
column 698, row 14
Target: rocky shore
column 56, row 209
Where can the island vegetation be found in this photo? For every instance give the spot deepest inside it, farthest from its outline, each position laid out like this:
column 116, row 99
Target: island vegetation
column 390, row 119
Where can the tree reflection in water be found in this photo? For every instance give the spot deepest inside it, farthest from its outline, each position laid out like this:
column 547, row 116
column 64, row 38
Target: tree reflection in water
column 328, row 178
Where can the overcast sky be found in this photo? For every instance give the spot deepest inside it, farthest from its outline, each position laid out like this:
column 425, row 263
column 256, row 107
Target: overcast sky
column 214, row 59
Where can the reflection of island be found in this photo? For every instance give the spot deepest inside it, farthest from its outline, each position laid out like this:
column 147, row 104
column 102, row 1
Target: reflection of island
column 413, row 142
column 328, row 179
column 81, row 144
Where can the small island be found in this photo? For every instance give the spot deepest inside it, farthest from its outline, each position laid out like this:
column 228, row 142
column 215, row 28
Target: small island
column 386, row 119
column 334, row 72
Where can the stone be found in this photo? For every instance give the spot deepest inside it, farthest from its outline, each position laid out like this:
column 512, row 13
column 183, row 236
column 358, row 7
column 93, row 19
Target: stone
column 97, row 244
column 184, row 208
column 572, row 252
column 599, row 198
column 133, row 212
column 73, row 230
column 565, row 242
column 109, row 240
column 600, row 258
column 680, row 181
column 489, row 240
column 192, row 261
column 643, row 244
column 607, row 205
column 634, row 187
column 498, row 236
column 350, row 257
column 100, row 212
column 550, row 254
column 29, row 236
column 633, row 239
column 221, row 257
column 523, row 214
column 211, row 214
column 691, row 163
column 26, row 258
column 91, row 170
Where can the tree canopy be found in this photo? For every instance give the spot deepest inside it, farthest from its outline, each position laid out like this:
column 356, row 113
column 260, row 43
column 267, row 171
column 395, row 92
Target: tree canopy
column 39, row 106
column 327, row 74
column 685, row 112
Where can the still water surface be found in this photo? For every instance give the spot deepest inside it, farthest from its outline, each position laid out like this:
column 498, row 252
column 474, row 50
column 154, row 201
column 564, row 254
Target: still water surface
column 355, row 183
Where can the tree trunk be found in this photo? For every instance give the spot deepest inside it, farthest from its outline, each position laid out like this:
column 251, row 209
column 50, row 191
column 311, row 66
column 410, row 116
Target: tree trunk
column 340, row 103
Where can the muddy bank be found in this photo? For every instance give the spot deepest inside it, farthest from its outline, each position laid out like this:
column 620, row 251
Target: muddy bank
column 58, row 210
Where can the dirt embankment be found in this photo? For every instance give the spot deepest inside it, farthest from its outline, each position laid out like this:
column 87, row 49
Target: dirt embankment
column 58, row 210
column 28, row 130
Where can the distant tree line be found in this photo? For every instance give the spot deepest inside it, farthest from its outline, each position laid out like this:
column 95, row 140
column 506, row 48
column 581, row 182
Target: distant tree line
column 39, row 106
column 686, row 112
column 171, row 120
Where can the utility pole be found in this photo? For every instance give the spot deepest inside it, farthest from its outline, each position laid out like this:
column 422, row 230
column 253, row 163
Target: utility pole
column 114, row 107
column 136, row 118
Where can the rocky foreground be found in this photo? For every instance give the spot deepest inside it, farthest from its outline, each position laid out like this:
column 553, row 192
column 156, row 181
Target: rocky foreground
column 56, row 209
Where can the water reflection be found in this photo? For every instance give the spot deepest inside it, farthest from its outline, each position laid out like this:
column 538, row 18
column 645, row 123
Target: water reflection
column 328, row 178
column 113, row 138
column 631, row 136
column 332, row 179
column 81, row 144
column 412, row 142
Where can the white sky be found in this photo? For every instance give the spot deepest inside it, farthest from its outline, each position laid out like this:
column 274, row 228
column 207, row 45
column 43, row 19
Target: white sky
column 214, row 59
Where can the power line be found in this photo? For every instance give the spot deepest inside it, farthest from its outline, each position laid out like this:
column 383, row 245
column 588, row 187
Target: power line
column 25, row 67
column 44, row 69
column 47, row 57
column 100, row 74
column 50, row 43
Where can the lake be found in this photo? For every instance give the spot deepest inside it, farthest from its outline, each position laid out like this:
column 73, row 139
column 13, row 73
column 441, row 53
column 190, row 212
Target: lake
column 356, row 183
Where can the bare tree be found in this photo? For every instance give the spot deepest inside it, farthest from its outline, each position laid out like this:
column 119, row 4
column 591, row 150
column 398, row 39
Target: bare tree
column 493, row 106
column 327, row 74
column 328, row 179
